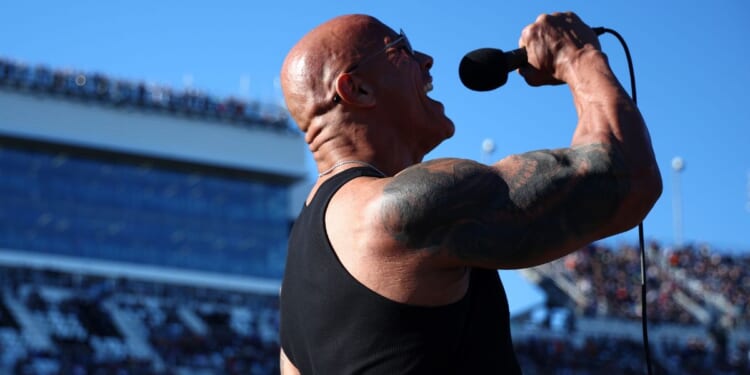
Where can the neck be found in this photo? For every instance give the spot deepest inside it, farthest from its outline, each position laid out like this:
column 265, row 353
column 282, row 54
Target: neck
column 349, row 161
column 336, row 147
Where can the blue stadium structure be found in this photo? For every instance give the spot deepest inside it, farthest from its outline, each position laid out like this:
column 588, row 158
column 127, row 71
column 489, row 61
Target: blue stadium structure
column 143, row 231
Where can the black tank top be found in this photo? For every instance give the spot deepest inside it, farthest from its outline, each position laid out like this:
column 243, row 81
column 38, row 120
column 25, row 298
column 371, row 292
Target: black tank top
column 332, row 324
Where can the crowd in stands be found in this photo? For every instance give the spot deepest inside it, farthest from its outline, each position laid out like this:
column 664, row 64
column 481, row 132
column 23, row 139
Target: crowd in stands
column 101, row 325
column 54, row 322
column 592, row 356
column 610, row 280
column 698, row 357
column 691, row 285
column 566, row 355
column 724, row 276
column 715, row 285
column 100, row 88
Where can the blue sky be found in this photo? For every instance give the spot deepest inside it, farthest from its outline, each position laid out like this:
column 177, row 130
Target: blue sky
column 690, row 58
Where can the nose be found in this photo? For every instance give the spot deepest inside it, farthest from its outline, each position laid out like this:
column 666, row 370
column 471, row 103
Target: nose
column 425, row 60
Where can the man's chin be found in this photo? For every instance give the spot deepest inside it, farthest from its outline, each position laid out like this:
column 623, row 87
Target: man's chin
column 450, row 129
column 442, row 138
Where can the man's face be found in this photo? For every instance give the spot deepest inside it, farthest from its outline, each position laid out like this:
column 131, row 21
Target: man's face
column 402, row 81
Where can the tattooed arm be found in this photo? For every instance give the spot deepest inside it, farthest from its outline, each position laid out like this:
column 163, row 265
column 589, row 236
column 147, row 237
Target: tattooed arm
column 530, row 208
column 526, row 210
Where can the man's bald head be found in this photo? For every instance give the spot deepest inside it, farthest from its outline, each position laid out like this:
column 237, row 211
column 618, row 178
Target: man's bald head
column 312, row 65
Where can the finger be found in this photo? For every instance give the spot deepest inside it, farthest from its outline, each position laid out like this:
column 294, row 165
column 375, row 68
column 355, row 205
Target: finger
column 531, row 75
column 525, row 34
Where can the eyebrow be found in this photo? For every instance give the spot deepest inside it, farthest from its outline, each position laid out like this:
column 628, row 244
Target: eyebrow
column 399, row 38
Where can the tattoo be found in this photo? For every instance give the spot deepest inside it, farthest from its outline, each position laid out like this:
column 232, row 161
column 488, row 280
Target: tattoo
column 532, row 203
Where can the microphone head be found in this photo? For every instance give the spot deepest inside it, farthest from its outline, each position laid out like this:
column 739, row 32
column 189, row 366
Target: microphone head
column 483, row 69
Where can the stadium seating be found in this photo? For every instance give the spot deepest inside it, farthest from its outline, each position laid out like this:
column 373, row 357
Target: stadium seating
column 54, row 321
column 58, row 322
column 697, row 303
column 98, row 88
column 77, row 320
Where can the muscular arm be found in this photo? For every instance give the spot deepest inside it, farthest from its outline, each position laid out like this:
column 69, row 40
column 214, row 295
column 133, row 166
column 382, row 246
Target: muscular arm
column 530, row 208
column 526, row 210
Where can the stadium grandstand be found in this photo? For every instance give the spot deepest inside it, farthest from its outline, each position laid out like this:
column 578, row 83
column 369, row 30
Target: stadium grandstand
column 143, row 231
column 698, row 310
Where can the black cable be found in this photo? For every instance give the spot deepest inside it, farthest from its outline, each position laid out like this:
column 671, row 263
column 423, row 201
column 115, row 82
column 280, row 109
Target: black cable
column 644, row 315
column 601, row 30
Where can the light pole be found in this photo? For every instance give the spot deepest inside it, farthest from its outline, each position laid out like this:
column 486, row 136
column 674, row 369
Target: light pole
column 488, row 147
column 678, row 165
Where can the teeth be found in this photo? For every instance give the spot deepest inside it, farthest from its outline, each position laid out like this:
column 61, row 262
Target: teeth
column 428, row 87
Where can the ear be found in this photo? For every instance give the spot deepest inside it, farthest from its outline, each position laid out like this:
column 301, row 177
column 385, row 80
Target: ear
column 354, row 91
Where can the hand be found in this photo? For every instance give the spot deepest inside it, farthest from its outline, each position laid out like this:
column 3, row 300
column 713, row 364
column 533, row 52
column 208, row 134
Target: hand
column 553, row 42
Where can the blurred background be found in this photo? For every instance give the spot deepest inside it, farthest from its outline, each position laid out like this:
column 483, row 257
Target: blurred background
column 150, row 173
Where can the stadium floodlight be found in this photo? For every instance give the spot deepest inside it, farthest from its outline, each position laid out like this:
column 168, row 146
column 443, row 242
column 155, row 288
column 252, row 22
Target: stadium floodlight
column 678, row 165
column 488, row 147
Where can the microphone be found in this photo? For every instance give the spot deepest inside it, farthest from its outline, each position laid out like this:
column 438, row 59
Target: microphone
column 486, row 69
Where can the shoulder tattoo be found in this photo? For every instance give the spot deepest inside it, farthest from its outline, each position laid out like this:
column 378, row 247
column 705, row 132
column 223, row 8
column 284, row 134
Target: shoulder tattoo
column 530, row 202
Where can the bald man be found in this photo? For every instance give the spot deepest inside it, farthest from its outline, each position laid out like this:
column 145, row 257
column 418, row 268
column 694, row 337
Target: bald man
column 392, row 263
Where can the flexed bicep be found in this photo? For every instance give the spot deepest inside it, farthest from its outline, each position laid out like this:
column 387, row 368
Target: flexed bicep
column 523, row 211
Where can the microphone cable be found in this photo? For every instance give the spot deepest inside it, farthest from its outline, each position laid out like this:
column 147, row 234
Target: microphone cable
column 644, row 315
